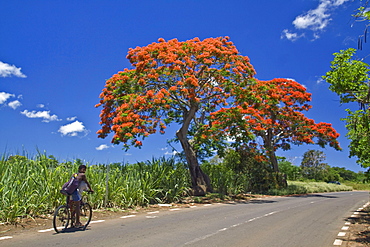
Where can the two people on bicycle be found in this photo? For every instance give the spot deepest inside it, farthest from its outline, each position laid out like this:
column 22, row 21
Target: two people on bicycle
column 77, row 194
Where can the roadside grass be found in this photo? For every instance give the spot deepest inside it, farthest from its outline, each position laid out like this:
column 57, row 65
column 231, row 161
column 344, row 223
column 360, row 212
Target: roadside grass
column 358, row 186
column 29, row 187
column 297, row 187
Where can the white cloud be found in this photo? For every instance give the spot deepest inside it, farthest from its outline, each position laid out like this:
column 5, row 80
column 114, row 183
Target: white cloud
column 45, row 115
column 102, row 147
column 171, row 153
column 14, row 104
column 71, row 119
column 72, row 129
column 291, row 79
column 290, row 35
column 320, row 81
column 7, row 70
column 315, row 20
column 40, row 106
column 4, row 97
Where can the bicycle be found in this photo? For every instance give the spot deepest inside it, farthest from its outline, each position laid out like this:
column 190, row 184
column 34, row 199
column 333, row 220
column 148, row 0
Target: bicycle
column 62, row 215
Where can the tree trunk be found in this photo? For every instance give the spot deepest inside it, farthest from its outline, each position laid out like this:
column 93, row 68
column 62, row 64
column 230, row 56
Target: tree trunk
column 268, row 143
column 273, row 161
column 201, row 184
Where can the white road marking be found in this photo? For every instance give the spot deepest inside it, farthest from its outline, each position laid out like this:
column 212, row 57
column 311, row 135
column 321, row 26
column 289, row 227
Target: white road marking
column 227, row 228
column 154, row 212
column 338, row 242
column 128, row 216
column 151, row 217
column 46, row 230
column 206, row 205
column 175, row 209
column 6, row 237
column 347, row 223
column 96, row 221
column 52, row 229
column 345, row 228
column 341, row 234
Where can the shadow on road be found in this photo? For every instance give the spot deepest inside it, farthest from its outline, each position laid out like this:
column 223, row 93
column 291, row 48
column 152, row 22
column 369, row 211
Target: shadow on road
column 71, row 230
column 254, row 201
column 314, row 195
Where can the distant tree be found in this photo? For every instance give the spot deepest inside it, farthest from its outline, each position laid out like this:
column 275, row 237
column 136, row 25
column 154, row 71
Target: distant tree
column 275, row 116
column 175, row 82
column 291, row 171
column 248, row 160
column 312, row 166
column 345, row 174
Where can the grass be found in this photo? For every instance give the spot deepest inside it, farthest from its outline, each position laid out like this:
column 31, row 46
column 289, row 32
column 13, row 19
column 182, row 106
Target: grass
column 358, row 186
column 30, row 187
column 296, row 187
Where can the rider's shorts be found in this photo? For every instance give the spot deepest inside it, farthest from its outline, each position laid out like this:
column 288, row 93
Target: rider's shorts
column 76, row 196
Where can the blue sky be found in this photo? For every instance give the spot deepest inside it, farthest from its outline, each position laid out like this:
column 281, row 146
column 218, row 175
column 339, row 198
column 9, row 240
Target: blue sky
column 56, row 55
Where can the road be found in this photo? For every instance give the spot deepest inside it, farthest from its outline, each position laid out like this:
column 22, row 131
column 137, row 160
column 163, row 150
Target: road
column 312, row 220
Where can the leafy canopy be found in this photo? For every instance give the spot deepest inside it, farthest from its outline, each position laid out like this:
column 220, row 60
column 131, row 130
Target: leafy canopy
column 349, row 78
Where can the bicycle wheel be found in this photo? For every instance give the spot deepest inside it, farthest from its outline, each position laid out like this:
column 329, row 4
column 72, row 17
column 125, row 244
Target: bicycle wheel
column 61, row 218
column 86, row 214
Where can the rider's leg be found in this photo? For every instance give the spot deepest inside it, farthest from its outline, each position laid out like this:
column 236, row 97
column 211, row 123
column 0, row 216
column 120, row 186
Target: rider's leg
column 78, row 213
column 75, row 209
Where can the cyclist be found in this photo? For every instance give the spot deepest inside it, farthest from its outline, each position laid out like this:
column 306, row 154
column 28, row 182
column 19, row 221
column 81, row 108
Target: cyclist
column 76, row 195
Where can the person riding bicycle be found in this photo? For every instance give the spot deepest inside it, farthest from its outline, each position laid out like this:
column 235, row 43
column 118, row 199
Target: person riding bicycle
column 76, row 195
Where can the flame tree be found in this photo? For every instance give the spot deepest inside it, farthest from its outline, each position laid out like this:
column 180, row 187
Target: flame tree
column 175, row 82
column 275, row 116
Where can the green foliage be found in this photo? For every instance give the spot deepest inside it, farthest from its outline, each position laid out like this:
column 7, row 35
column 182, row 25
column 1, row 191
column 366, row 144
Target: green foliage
column 344, row 174
column 349, row 78
column 225, row 180
column 28, row 187
column 242, row 171
column 31, row 187
column 358, row 126
column 358, row 186
column 312, row 166
column 295, row 187
column 292, row 172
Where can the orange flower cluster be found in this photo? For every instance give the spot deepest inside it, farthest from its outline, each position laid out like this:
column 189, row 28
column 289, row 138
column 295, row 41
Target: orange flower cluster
column 274, row 113
column 168, row 77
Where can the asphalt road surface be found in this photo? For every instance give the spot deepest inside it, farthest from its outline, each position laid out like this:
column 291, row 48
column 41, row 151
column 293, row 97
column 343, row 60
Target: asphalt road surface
column 312, row 220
